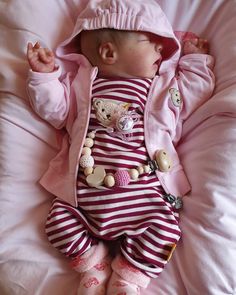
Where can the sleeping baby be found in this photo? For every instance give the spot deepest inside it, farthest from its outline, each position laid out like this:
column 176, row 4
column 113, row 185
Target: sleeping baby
column 117, row 178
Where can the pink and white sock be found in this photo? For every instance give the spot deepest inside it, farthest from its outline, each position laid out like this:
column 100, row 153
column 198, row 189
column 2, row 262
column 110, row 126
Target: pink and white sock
column 95, row 269
column 126, row 279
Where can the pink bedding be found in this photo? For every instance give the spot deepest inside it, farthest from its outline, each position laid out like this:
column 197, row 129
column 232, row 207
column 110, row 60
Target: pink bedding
column 205, row 259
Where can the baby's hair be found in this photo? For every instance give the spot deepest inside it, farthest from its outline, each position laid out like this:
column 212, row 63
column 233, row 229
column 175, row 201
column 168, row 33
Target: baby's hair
column 96, row 37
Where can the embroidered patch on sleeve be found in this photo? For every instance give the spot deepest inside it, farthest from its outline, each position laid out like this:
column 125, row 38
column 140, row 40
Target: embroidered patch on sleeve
column 175, row 97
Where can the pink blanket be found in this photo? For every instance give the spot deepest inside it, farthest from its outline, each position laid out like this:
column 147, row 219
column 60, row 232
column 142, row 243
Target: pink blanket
column 204, row 261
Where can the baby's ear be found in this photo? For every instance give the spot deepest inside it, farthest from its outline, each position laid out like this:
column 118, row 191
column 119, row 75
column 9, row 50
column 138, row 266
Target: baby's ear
column 108, row 53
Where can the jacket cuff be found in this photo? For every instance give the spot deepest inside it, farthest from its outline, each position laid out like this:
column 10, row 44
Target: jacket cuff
column 204, row 58
column 44, row 77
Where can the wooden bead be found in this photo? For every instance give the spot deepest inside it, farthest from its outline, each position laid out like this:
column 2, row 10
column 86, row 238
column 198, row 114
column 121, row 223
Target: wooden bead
column 163, row 161
column 109, row 181
column 140, row 169
column 146, row 168
column 134, row 174
column 88, row 171
column 86, row 151
column 97, row 177
column 88, row 142
column 91, row 134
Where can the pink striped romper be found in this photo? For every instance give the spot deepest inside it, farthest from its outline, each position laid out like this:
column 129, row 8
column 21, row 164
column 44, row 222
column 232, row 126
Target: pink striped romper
column 136, row 215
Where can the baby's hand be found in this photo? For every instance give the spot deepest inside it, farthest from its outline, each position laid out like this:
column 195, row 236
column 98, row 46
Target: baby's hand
column 196, row 45
column 40, row 59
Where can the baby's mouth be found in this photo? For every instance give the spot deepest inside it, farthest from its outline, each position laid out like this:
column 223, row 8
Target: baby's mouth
column 158, row 61
column 156, row 64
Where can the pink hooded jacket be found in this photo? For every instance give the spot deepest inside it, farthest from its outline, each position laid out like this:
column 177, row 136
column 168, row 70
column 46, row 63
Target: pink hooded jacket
column 66, row 102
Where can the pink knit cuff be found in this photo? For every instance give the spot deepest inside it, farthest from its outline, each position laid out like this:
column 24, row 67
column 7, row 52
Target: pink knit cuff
column 90, row 258
column 129, row 272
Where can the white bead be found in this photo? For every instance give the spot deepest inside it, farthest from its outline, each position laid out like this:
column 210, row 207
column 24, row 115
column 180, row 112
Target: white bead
column 88, row 171
column 146, row 168
column 109, row 181
column 91, row 134
column 86, row 151
column 140, row 169
column 88, row 142
column 134, row 174
column 86, row 161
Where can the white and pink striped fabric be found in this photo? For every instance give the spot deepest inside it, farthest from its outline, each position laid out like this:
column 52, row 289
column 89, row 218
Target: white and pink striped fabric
column 137, row 214
column 205, row 258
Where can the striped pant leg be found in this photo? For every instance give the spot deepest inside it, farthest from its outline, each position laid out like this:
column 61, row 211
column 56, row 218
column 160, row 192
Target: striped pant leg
column 65, row 230
column 150, row 251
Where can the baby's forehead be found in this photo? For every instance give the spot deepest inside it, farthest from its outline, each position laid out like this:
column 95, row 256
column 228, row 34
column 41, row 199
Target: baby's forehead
column 148, row 35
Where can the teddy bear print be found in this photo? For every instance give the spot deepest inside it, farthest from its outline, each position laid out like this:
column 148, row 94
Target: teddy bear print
column 107, row 111
column 175, row 97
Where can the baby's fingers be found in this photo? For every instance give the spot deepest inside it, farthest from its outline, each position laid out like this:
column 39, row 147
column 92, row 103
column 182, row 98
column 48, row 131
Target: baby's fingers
column 32, row 49
column 203, row 43
column 203, row 46
column 36, row 45
column 45, row 55
column 193, row 41
column 32, row 54
column 29, row 48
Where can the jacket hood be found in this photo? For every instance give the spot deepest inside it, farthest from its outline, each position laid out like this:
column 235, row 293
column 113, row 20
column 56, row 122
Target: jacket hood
column 137, row 15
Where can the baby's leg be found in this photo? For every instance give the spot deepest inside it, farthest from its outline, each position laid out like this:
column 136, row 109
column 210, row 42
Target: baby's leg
column 143, row 257
column 95, row 268
column 126, row 279
column 88, row 257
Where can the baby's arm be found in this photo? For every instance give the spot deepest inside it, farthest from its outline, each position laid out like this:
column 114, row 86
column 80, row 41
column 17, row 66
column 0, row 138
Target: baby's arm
column 196, row 79
column 40, row 59
column 48, row 96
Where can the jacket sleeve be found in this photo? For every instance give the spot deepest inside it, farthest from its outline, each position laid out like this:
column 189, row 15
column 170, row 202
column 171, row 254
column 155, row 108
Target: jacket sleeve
column 49, row 97
column 195, row 80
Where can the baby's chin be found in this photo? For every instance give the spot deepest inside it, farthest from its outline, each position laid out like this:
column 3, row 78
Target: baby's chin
column 147, row 75
column 142, row 75
column 150, row 74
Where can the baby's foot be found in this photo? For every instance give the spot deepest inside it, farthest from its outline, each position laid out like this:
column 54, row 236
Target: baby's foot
column 94, row 281
column 119, row 286
column 126, row 279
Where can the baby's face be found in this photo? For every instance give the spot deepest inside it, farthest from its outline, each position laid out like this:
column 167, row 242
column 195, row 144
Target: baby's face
column 139, row 55
column 136, row 55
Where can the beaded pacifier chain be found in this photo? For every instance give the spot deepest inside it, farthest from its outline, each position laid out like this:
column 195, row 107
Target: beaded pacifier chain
column 97, row 176
column 117, row 122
